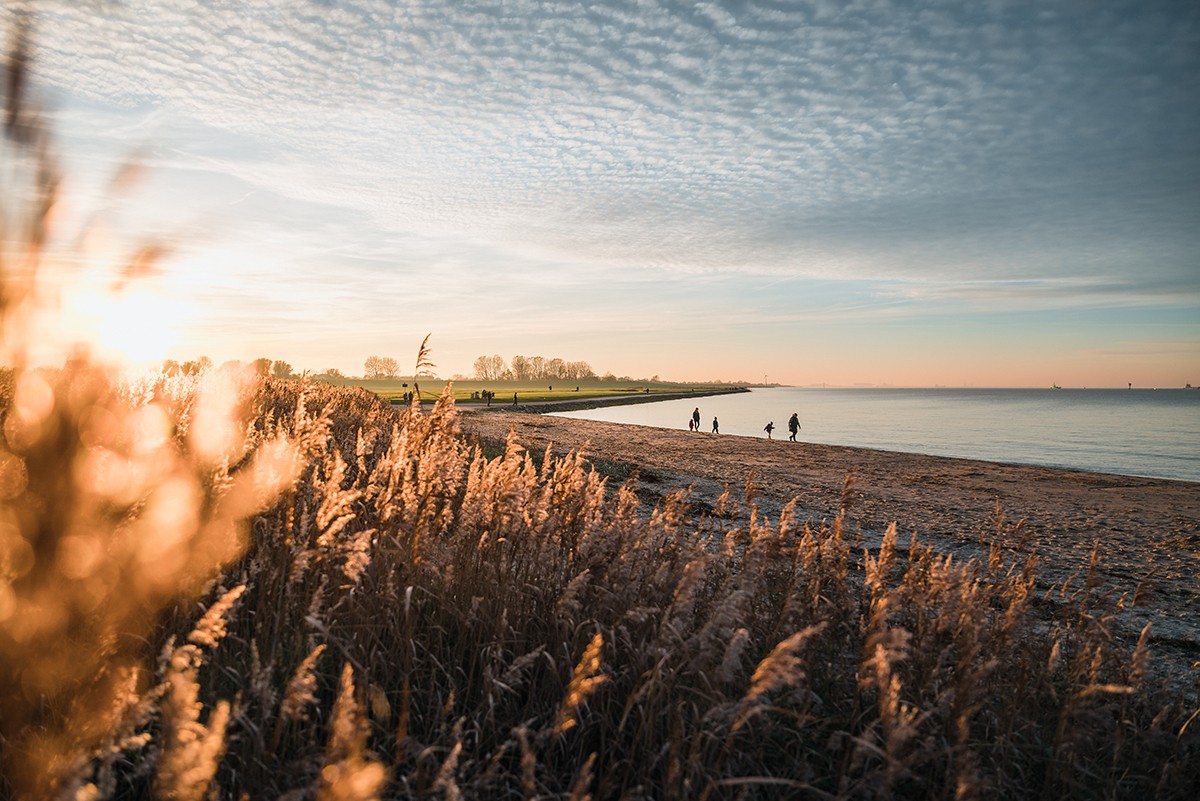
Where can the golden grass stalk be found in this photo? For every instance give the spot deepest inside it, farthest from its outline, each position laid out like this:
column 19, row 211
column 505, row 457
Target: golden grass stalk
column 585, row 679
column 349, row 772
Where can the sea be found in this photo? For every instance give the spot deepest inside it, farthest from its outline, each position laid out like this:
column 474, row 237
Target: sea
column 1137, row 432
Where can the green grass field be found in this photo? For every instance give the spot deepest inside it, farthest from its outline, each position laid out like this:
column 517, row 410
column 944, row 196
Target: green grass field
column 470, row 392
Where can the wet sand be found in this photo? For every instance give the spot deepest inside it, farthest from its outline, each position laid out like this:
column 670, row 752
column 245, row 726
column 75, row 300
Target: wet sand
column 1148, row 529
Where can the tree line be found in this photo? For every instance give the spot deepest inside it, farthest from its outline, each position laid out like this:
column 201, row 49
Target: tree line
column 487, row 368
column 265, row 367
column 530, row 368
column 376, row 367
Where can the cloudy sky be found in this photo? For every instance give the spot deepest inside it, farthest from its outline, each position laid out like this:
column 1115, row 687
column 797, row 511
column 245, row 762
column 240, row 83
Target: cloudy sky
column 911, row 193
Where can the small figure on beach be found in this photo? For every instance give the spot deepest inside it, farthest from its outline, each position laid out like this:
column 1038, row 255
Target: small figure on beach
column 716, row 428
column 769, row 427
column 691, row 424
column 514, row 399
column 794, row 426
column 696, row 418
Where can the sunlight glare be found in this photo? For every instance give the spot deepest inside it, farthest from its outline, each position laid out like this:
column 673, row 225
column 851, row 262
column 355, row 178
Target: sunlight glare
column 129, row 327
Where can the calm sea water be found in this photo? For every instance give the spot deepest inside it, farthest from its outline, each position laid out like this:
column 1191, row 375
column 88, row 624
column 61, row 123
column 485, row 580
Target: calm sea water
column 1138, row 432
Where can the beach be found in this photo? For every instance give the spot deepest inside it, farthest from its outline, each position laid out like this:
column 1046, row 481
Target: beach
column 1148, row 530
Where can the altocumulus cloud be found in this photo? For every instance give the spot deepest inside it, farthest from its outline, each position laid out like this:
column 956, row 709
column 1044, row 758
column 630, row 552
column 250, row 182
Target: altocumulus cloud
column 988, row 142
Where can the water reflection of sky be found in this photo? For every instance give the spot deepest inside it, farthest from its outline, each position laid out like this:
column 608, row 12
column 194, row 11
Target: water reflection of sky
column 1136, row 432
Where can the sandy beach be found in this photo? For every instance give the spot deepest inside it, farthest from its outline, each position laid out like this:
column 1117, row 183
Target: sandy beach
column 1148, row 529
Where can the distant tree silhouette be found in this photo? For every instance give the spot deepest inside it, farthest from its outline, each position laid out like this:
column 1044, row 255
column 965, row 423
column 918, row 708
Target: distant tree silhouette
column 381, row 367
column 196, row 366
column 491, row 368
column 531, row 368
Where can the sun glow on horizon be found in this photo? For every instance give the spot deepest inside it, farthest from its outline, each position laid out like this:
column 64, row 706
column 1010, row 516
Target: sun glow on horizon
column 126, row 325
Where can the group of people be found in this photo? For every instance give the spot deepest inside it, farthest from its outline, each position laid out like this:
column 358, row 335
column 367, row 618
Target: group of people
column 793, row 424
column 793, row 427
column 694, row 422
column 484, row 394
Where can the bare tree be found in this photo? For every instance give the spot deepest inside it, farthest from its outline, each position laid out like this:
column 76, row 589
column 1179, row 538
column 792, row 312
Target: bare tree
column 531, row 368
column 491, row 368
column 196, row 366
column 580, row 370
column 381, row 367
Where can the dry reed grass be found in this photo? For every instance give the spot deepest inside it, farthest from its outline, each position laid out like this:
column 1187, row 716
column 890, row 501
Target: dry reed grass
column 222, row 587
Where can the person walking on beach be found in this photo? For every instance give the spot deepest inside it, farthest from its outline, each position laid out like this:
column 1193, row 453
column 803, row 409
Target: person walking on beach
column 794, row 426
column 769, row 427
column 696, row 418
column 514, row 399
column 691, row 424
column 716, row 428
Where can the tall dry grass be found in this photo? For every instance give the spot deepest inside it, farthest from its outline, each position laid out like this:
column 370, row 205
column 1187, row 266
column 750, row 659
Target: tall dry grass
column 414, row 618
column 223, row 587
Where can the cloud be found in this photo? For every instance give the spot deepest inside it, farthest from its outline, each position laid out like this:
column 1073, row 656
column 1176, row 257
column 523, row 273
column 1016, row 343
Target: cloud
column 865, row 139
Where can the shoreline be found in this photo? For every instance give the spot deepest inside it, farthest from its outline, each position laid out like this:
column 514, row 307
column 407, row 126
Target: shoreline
column 1148, row 529
column 551, row 407
column 581, row 404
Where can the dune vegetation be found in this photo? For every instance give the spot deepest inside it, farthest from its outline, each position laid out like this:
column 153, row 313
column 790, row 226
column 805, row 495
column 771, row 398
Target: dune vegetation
column 224, row 586
column 343, row 600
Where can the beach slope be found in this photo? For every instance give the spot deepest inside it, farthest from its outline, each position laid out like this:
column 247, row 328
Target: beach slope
column 1148, row 530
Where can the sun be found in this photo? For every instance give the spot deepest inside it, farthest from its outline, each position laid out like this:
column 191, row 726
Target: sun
column 137, row 326
column 129, row 325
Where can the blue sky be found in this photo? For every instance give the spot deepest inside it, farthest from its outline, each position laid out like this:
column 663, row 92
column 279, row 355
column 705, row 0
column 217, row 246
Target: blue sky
column 985, row 193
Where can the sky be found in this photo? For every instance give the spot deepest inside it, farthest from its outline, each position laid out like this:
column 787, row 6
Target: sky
column 809, row 192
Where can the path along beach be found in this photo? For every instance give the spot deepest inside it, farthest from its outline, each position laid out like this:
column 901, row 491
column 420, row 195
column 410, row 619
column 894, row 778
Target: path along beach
column 1148, row 529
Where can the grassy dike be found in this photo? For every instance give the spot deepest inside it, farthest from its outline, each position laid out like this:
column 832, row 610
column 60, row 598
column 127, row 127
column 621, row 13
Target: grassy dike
column 563, row 395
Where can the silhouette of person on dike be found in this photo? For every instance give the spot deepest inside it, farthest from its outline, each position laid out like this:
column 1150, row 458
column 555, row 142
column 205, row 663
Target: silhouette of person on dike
column 794, row 426
column 769, row 427
column 716, row 428
column 696, row 418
